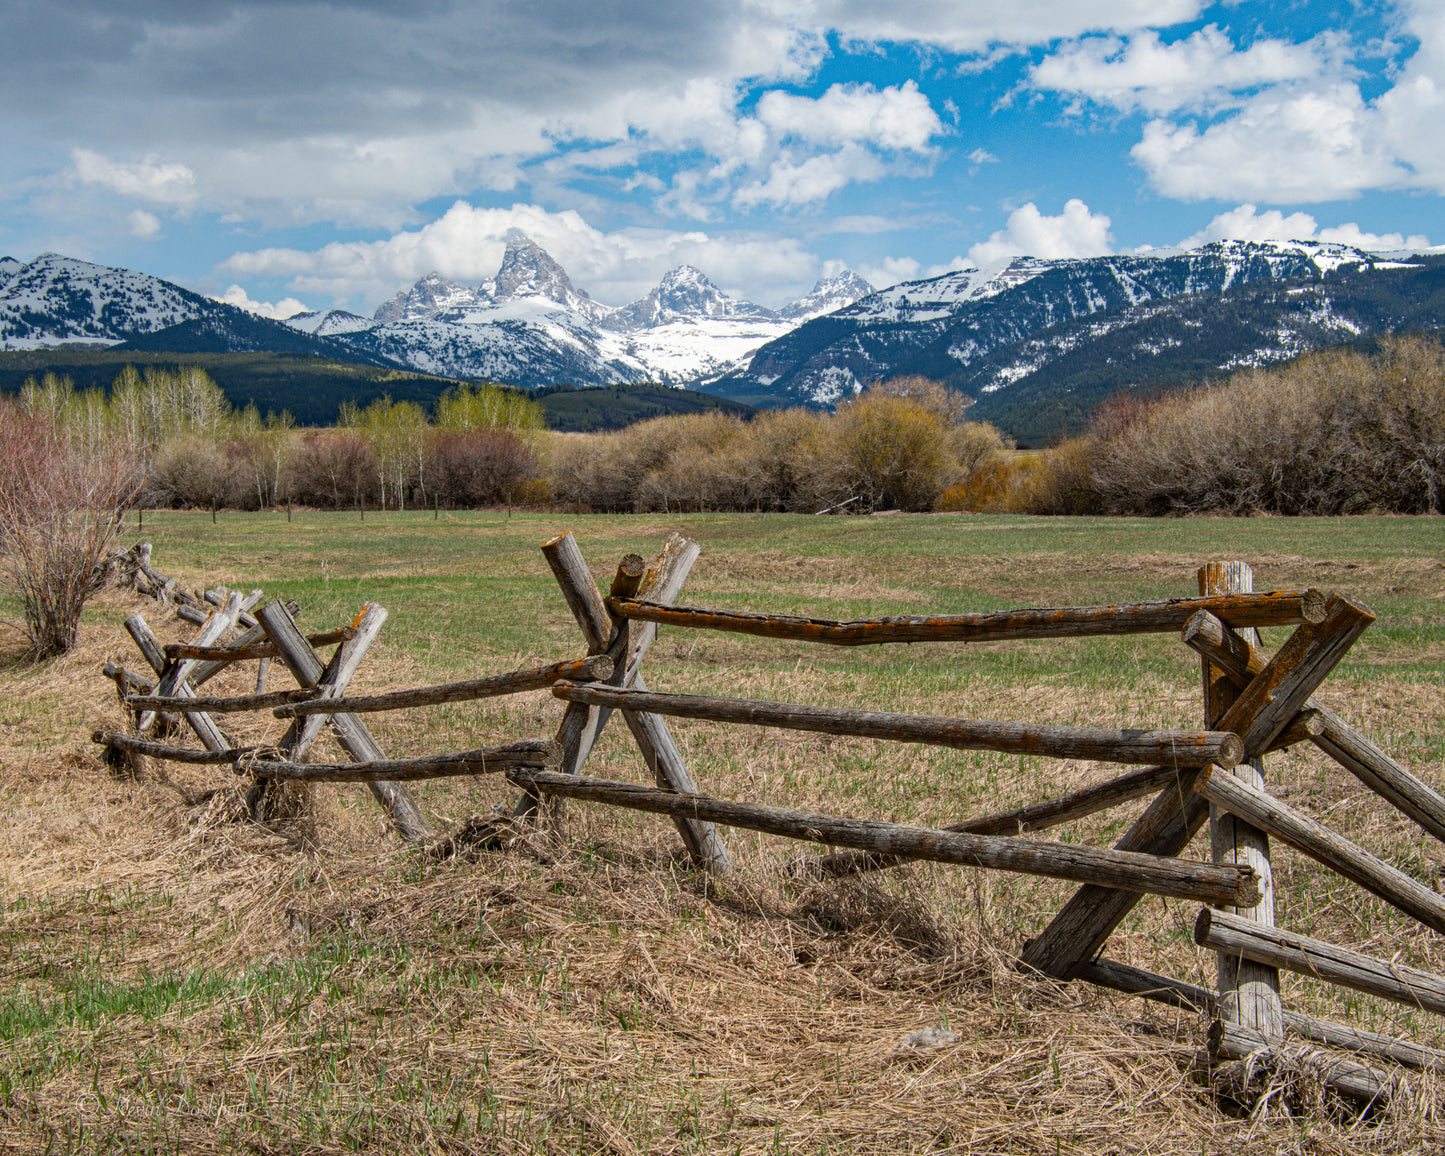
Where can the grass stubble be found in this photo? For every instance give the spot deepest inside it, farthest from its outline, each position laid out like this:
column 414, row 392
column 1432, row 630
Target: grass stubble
column 173, row 978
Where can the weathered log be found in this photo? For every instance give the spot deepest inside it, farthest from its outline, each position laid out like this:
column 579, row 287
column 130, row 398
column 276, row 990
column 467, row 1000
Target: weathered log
column 1222, row 931
column 1034, row 817
column 486, row 761
column 662, row 584
column 1231, row 1041
column 351, row 732
column 1182, row 748
column 1279, row 608
column 1261, row 712
column 1192, row 998
column 1132, row 980
column 580, row 590
column 1248, row 991
column 654, row 742
column 1161, row 876
column 205, row 671
column 174, row 681
column 146, row 642
column 1324, row 846
column 178, row 672
column 1305, row 727
column 1402, row 789
column 595, row 666
column 174, row 754
column 238, row 652
column 215, row 704
column 217, row 598
column 125, row 677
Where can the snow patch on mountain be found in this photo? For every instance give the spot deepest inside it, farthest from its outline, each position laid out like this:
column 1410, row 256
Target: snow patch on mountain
column 329, row 323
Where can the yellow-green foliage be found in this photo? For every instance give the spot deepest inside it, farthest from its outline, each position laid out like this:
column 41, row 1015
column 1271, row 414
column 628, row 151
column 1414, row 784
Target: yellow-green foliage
column 486, row 407
column 897, row 446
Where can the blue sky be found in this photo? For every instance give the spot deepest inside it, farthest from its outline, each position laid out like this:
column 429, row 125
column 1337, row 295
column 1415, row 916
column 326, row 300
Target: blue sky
column 328, row 154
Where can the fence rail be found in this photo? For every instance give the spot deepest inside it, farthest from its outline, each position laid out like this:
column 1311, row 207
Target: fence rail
column 1253, row 703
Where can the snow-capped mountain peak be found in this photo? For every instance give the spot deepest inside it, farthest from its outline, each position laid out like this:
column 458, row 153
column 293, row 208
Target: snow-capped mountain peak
column 827, row 296
column 684, row 294
column 528, row 270
column 430, row 296
column 328, row 323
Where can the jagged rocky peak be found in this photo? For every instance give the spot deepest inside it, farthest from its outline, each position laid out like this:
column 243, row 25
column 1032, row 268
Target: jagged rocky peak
column 432, row 295
column 829, row 295
column 528, row 270
column 685, row 293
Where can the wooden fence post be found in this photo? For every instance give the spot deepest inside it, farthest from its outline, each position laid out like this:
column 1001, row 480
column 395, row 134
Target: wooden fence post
column 351, row 732
column 1248, row 991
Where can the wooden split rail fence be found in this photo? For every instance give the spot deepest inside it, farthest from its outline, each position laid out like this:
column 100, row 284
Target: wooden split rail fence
column 1253, row 703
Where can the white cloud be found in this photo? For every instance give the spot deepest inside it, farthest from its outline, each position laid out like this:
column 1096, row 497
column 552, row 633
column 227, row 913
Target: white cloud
column 973, row 26
column 896, row 118
column 311, row 117
column 982, row 157
column 1313, row 145
column 1200, row 70
column 1076, row 232
column 143, row 224
column 892, row 270
column 1247, row 223
column 281, row 310
column 466, row 244
column 148, row 180
column 813, row 179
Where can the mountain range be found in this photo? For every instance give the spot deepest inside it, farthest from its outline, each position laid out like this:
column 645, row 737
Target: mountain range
column 1035, row 342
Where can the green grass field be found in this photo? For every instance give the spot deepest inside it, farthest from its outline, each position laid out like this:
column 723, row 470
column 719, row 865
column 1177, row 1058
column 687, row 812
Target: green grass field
column 173, row 978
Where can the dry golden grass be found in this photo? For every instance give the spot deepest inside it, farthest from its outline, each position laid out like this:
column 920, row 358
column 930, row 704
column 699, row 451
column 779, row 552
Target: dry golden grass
column 183, row 980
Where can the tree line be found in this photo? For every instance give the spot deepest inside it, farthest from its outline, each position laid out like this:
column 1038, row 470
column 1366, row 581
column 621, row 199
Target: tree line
column 1338, row 431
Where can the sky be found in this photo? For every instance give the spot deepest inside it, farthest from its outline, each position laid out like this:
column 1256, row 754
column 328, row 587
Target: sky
column 305, row 154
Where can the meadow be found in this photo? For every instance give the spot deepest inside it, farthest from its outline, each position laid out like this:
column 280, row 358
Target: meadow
column 173, row 978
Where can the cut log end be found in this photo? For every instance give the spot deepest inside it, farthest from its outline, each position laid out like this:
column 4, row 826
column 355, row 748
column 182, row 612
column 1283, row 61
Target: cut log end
column 1231, row 753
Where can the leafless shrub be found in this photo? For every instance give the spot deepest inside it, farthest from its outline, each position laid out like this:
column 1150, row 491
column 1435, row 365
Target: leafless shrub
column 60, row 507
column 1336, row 432
column 477, row 468
column 333, row 470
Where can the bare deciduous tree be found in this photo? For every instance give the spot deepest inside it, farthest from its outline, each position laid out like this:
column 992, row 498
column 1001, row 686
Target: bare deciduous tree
column 60, row 507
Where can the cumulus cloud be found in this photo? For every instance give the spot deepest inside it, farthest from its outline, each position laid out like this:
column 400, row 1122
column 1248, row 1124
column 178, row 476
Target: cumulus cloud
column 1275, row 121
column 1199, row 70
column 1313, row 145
column 1247, row 223
column 149, row 180
column 467, row 243
column 813, row 179
column 971, row 27
column 1076, row 232
column 279, row 311
column 356, row 111
column 895, row 118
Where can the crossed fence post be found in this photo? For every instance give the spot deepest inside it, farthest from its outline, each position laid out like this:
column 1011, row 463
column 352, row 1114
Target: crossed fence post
column 627, row 644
